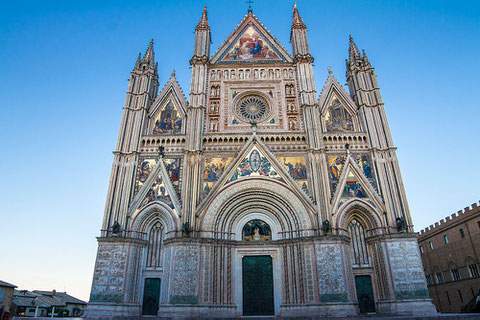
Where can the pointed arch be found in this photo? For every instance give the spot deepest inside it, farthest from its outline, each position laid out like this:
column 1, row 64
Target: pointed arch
column 155, row 212
column 337, row 111
column 167, row 113
column 362, row 211
column 353, row 184
column 256, row 198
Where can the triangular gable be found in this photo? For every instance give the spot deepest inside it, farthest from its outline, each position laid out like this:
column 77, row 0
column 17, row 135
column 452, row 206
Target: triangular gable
column 157, row 188
column 334, row 95
column 354, row 185
column 171, row 89
column 255, row 160
column 333, row 86
column 167, row 113
column 251, row 42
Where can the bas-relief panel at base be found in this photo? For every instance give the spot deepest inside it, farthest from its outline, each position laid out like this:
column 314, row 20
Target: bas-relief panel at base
column 407, row 270
column 108, row 279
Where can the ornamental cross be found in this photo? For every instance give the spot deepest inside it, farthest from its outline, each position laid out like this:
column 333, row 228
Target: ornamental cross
column 250, row 2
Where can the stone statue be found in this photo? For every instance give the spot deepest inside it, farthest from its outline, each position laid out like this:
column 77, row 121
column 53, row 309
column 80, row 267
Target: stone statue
column 401, row 224
column 186, row 229
column 116, row 228
column 326, row 226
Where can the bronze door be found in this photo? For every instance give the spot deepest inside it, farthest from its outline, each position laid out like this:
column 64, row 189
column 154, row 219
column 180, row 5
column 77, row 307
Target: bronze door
column 257, row 272
column 366, row 301
column 151, row 296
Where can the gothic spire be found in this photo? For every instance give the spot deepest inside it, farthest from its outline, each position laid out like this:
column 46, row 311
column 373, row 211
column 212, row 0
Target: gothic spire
column 149, row 57
column 139, row 59
column 297, row 22
column 203, row 23
column 353, row 53
column 365, row 58
column 201, row 49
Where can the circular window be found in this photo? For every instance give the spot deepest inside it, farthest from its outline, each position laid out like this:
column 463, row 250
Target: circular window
column 252, row 108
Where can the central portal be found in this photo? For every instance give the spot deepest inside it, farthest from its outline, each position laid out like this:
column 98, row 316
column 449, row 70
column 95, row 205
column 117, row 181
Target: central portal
column 257, row 275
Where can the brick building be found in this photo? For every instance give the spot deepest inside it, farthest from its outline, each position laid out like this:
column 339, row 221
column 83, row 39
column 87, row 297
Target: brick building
column 6, row 293
column 450, row 255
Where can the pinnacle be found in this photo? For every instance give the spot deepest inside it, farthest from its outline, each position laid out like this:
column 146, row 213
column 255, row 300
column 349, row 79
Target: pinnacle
column 365, row 58
column 203, row 23
column 139, row 59
column 149, row 56
column 353, row 53
column 297, row 22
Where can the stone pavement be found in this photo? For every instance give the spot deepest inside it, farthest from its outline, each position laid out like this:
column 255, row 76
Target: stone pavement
column 460, row 316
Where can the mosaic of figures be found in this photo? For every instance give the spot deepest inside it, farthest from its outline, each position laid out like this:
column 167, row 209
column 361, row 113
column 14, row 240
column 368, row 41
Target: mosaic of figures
column 335, row 166
column 174, row 169
column 352, row 189
column 255, row 165
column 337, row 119
column 157, row 192
column 250, row 46
column 169, row 120
column 253, row 74
column 145, row 167
column 213, row 170
column 297, row 169
column 256, row 230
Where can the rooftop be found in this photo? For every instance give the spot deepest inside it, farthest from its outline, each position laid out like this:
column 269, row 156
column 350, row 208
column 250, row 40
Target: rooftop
column 6, row 284
column 467, row 212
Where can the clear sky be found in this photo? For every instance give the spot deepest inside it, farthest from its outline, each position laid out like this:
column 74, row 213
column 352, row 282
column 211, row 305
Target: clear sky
column 65, row 66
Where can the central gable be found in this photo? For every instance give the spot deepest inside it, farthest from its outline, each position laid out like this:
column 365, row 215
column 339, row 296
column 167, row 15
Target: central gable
column 251, row 43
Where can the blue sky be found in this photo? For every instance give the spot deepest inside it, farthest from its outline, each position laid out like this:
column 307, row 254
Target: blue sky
column 65, row 66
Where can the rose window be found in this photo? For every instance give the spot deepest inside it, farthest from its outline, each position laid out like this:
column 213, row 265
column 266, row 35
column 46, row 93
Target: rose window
column 252, row 108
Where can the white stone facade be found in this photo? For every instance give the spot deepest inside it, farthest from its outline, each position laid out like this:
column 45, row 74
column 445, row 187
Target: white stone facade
column 316, row 180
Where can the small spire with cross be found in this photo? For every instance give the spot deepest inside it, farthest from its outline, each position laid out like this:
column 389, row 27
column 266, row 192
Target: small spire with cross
column 250, row 2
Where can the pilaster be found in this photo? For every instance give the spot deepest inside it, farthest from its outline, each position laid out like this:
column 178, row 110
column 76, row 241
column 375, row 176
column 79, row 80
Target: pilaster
column 365, row 91
column 195, row 121
column 142, row 90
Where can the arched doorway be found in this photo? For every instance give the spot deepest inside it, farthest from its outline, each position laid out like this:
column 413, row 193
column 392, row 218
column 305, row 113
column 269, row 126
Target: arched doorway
column 257, row 273
column 255, row 217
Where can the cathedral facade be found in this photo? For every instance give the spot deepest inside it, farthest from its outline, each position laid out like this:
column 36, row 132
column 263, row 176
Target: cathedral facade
column 256, row 196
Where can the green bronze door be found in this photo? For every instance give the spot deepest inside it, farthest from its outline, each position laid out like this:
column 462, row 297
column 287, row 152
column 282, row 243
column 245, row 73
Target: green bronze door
column 151, row 296
column 257, row 286
column 366, row 301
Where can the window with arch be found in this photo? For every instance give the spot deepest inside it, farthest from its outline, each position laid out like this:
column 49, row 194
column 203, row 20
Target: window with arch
column 256, row 230
column 439, row 275
column 358, row 243
column 154, row 248
column 472, row 268
column 454, row 272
